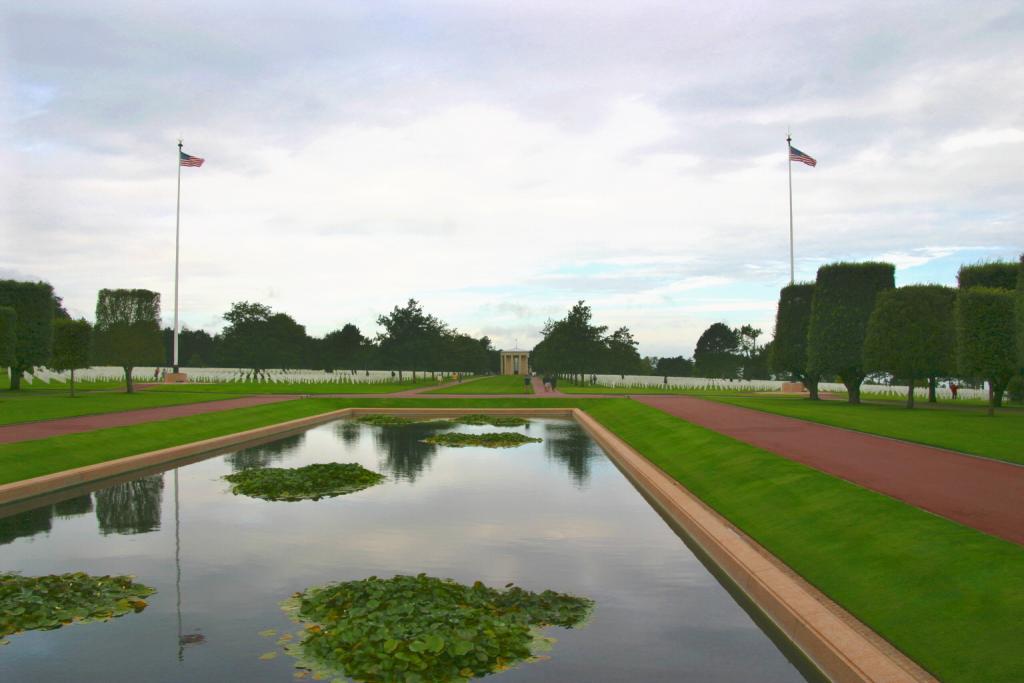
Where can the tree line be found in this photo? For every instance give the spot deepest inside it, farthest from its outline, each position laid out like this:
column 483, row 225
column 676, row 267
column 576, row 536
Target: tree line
column 35, row 330
column 853, row 321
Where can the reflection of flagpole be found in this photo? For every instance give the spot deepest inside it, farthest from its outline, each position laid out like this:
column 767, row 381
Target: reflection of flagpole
column 177, row 563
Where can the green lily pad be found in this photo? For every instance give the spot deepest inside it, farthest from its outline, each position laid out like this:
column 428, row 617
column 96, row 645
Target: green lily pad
column 43, row 603
column 492, row 420
column 311, row 482
column 400, row 421
column 423, row 628
column 492, row 440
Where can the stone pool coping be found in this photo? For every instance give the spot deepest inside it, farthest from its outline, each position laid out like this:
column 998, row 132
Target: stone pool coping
column 837, row 643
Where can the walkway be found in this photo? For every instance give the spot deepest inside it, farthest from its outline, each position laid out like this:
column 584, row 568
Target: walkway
column 44, row 429
column 981, row 493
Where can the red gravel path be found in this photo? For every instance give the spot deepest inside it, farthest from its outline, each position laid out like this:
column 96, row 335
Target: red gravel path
column 26, row 431
column 985, row 494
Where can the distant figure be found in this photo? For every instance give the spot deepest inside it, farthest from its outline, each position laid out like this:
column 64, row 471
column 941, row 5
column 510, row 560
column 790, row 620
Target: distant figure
column 953, row 388
column 156, row 374
column 163, row 374
column 554, row 382
column 547, row 383
column 526, row 382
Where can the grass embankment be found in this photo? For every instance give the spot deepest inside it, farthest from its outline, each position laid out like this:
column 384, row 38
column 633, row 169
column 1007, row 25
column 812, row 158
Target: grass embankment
column 293, row 387
column 961, row 428
column 498, row 384
column 31, row 405
column 26, row 459
column 946, row 595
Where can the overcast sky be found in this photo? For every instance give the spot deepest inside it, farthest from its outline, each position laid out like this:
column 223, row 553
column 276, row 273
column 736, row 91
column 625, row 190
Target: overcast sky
column 499, row 161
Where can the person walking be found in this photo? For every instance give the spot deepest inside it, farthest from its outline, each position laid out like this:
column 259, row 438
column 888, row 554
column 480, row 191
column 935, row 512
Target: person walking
column 547, row 383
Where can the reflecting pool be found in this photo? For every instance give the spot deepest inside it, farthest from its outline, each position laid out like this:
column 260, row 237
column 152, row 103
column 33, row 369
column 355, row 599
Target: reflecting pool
column 553, row 515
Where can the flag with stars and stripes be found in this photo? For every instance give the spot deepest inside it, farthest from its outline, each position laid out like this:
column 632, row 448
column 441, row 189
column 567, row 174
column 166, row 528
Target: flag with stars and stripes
column 189, row 160
column 797, row 155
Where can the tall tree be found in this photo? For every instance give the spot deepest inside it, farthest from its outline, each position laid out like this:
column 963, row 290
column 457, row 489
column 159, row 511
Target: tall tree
column 127, row 331
column 1020, row 315
column 985, row 329
column 717, row 353
column 410, row 338
column 844, row 297
column 196, row 348
column 33, row 305
column 8, row 335
column 789, row 350
column 72, row 346
column 623, row 358
column 259, row 339
column 571, row 345
column 911, row 334
column 343, row 348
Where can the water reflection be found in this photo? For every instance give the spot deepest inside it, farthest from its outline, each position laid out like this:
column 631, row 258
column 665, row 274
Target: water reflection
column 32, row 522
column 263, row 456
column 348, row 431
column 573, row 447
column 403, row 452
column 132, row 507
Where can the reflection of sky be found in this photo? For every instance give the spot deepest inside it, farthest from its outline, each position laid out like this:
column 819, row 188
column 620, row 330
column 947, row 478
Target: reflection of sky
column 495, row 515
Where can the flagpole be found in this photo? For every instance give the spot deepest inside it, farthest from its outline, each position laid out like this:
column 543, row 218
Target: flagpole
column 177, row 233
column 789, row 145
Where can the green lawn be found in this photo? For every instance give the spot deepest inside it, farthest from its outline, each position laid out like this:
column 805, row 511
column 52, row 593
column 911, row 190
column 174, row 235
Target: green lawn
column 293, row 387
column 946, row 595
column 30, row 405
column 497, row 384
column 960, row 428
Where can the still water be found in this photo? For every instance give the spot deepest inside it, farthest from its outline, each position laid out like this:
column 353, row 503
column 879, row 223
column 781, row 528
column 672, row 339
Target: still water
column 553, row 515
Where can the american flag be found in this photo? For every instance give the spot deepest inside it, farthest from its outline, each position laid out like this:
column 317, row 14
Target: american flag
column 797, row 155
column 189, row 160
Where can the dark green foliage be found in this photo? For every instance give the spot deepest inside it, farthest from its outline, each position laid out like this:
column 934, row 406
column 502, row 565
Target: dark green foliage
column 420, row 628
column 985, row 329
column 33, row 305
column 127, row 331
column 1020, row 314
column 259, row 339
column 717, row 353
column 43, row 603
column 911, row 334
column 789, row 348
column 492, row 420
column 399, row 421
column 674, row 367
column 571, row 345
column 8, row 335
column 72, row 346
column 844, row 297
column 196, row 348
column 312, row 482
column 994, row 274
column 493, row 440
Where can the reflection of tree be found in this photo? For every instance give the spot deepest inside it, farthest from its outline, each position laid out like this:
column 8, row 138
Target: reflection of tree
column 348, row 431
column 573, row 447
column 265, row 455
column 32, row 522
column 132, row 507
column 25, row 524
column 78, row 505
column 405, row 457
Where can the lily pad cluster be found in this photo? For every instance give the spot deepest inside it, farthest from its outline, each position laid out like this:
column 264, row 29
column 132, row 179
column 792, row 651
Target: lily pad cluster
column 312, row 482
column 491, row 440
column 475, row 419
column 44, row 603
column 400, row 421
column 420, row 628
column 492, row 420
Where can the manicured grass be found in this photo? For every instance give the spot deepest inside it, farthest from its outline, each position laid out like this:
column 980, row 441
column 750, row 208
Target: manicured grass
column 498, row 384
column 292, row 387
column 946, row 595
column 30, row 405
column 26, row 459
column 960, row 428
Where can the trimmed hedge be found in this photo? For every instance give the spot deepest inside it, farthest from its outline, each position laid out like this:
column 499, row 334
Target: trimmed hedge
column 985, row 329
column 789, row 349
column 8, row 335
column 995, row 274
column 844, row 298
column 33, row 305
column 912, row 335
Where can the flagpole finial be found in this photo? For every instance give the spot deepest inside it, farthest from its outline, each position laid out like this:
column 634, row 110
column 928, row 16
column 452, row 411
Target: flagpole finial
column 180, row 140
